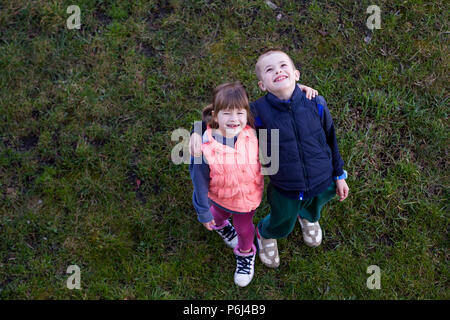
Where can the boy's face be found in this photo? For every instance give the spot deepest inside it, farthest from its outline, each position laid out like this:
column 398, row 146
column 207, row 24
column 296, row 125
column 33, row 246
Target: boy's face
column 277, row 74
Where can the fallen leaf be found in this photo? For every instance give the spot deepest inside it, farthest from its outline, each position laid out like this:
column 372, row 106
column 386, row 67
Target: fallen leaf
column 272, row 5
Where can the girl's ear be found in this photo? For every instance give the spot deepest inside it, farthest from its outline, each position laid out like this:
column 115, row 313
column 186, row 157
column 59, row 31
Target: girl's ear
column 213, row 119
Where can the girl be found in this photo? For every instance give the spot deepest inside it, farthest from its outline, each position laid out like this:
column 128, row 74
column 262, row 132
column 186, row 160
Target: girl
column 228, row 182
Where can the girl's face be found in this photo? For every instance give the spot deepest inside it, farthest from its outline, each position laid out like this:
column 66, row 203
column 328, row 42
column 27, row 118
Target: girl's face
column 231, row 122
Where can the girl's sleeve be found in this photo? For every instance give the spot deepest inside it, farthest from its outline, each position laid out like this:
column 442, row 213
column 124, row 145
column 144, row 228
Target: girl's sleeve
column 200, row 180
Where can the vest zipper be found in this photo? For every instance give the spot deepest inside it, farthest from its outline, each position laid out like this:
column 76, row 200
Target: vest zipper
column 300, row 150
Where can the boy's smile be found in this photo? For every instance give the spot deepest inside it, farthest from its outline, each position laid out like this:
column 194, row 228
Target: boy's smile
column 278, row 75
column 280, row 78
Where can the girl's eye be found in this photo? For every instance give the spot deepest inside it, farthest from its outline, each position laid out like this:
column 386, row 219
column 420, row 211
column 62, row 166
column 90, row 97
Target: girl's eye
column 270, row 69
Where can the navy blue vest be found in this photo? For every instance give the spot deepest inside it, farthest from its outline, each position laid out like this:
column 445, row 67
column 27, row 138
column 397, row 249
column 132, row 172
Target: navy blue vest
column 305, row 162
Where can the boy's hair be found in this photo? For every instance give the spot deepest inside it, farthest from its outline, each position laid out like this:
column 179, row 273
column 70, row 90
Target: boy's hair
column 230, row 95
column 266, row 52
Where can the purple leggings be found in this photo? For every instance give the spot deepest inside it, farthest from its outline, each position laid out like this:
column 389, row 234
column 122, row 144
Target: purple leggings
column 243, row 223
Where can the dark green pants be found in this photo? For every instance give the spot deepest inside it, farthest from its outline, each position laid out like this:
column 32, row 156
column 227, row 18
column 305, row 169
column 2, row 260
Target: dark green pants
column 284, row 211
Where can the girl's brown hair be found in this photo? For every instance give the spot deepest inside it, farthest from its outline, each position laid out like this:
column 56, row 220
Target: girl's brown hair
column 230, row 95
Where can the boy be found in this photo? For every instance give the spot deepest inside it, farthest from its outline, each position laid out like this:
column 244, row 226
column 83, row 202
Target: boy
column 310, row 166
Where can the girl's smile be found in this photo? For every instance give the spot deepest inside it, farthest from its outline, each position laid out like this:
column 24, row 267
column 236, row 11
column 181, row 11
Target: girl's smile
column 231, row 121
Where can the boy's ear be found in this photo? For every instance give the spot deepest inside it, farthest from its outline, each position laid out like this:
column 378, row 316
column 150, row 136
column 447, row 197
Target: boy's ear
column 297, row 75
column 261, row 85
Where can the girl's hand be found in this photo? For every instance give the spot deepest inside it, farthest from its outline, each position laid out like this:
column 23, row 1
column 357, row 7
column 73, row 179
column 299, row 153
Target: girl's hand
column 309, row 92
column 195, row 145
column 342, row 189
column 209, row 224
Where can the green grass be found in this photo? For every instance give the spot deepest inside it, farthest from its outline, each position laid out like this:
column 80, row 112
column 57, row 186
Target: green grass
column 86, row 113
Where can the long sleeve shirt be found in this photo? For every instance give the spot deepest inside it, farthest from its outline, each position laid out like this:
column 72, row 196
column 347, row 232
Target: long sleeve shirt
column 199, row 170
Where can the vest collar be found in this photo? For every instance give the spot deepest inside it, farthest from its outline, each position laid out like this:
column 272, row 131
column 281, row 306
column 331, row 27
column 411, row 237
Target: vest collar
column 242, row 135
column 296, row 97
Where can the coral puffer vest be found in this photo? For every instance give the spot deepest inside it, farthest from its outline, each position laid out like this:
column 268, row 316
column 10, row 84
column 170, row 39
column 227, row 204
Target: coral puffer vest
column 236, row 180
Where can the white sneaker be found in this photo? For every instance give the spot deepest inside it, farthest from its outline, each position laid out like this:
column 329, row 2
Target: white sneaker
column 268, row 251
column 228, row 234
column 245, row 266
column 312, row 233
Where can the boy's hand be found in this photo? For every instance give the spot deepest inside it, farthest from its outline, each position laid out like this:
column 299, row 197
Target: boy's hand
column 209, row 224
column 342, row 189
column 195, row 145
column 309, row 92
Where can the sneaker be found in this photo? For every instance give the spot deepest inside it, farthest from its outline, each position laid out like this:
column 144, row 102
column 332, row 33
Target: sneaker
column 228, row 234
column 245, row 266
column 268, row 251
column 312, row 233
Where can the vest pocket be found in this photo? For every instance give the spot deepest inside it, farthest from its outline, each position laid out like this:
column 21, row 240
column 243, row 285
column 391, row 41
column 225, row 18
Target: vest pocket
column 314, row 146
column 328, row 151
column 323, row 144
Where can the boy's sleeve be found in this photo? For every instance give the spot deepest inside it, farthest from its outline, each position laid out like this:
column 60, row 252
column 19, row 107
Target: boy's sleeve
column 258, row 123
column 330, row 134
column 196, row 127
column 200, row 180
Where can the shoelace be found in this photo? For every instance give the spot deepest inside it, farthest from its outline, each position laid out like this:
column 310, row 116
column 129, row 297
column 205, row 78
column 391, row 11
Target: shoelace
column 228, row 232
column 244, row 264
